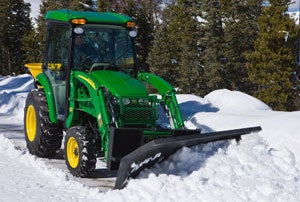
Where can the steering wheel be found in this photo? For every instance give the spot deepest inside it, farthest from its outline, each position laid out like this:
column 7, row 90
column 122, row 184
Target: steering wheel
column 88, row 62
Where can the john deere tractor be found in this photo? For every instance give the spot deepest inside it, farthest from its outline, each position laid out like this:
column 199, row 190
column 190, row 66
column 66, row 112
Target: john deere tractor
column 89, row 86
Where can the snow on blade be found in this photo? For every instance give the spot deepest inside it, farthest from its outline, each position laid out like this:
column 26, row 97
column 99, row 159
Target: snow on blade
column 136, row 166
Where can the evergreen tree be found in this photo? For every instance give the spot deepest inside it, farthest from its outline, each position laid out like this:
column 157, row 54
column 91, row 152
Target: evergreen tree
column 240, row 32
column 164, row 55
column 107, row 5
column 187, row 26
column 175, row 51
column 212, row 41
column 15, row 24
column 273, row 61
column 31, row 48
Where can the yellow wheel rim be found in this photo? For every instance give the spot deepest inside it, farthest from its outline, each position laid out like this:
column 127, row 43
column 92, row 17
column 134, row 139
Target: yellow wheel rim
column 73, row 152
column 30, row 123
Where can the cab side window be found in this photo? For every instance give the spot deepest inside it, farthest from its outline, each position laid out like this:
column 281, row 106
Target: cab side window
column 56, row 57
column 56, row 63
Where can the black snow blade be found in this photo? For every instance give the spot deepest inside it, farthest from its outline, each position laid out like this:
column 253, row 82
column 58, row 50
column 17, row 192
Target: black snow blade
column 158, row 150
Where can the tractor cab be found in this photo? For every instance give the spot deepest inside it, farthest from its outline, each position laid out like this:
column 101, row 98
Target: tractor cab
column 80, row 41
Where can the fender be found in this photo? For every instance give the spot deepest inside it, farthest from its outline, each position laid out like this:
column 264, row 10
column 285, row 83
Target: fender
column 42, row 79
column 96, row 94
column 96, row 97
column 92, row 87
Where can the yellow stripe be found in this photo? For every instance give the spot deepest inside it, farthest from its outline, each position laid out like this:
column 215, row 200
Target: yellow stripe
column 89, row 81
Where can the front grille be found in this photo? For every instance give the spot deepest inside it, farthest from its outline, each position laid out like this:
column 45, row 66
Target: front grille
column 138, row 111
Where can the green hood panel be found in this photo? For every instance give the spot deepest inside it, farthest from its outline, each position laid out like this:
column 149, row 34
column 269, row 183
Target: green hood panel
column 119, row 83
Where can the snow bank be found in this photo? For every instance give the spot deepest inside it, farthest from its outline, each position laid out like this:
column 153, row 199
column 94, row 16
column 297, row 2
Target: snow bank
column 13, row 93
column 233, row 109
column 235, row 102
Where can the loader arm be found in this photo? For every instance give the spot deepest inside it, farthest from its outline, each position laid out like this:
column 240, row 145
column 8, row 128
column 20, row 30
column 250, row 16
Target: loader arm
column 168, row 96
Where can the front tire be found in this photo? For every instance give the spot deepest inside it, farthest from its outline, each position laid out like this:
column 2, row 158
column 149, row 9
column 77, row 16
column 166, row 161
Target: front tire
column 43, row 138
column 80, row 149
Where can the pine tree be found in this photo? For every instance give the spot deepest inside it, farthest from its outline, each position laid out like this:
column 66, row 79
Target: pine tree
column 15, row 24
column 212, row 41
column 107, row 5
column 272, row 63
column 175, row 51
column 187, row 27
column 240, row 32
column 164, row 55
column 31, row 48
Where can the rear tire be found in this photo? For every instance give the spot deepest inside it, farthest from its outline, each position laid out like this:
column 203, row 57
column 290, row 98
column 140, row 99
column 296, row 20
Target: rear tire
column 80, row 146
column 43, row 138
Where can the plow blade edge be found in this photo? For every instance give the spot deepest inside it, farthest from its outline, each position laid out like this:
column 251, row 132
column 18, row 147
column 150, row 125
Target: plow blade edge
column 158, row 150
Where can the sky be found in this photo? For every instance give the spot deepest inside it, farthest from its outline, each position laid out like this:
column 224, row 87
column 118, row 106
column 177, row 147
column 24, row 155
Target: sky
column 263, row 166
column 35, row 8
column 295, row 6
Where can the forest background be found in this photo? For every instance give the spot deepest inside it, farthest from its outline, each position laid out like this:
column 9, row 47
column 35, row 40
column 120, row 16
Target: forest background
column 198, row 46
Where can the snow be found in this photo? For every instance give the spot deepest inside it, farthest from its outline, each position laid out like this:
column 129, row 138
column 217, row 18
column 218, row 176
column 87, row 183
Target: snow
column 225, row 99
column 263, row 166
column 13, row 95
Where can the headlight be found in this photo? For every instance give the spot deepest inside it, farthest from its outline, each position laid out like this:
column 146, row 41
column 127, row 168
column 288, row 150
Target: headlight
column 144, row 102
column 126, row 101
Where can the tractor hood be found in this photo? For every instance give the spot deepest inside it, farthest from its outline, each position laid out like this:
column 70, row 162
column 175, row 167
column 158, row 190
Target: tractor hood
column 119, row 83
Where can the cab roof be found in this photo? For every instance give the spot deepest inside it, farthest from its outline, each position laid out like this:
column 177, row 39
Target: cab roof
column 90, row 17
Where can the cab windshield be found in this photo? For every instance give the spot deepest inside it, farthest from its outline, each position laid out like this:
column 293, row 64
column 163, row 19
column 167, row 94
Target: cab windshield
column 103, row 47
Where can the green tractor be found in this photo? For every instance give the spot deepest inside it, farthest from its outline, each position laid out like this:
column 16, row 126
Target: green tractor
column 90, row 87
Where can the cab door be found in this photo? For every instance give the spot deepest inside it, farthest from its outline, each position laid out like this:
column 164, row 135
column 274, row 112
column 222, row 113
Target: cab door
column 56, row 62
